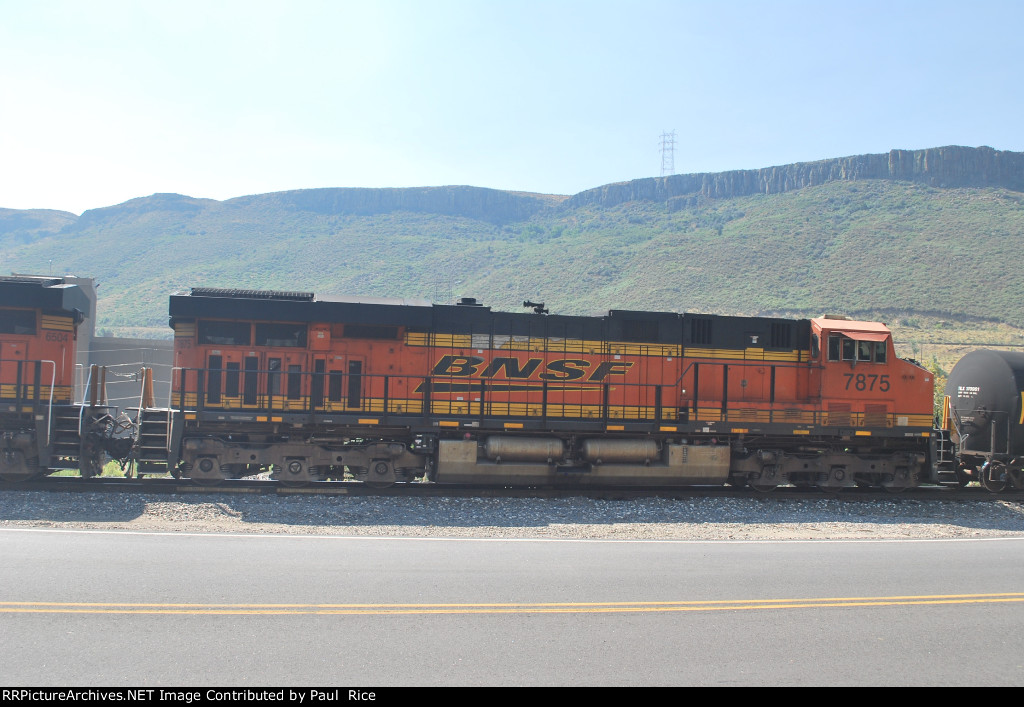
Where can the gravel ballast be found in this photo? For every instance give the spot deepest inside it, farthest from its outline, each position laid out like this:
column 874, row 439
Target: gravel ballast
column 569, row 518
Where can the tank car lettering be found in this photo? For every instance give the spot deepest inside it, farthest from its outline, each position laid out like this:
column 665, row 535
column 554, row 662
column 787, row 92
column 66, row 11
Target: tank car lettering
column 569, row 369
column 511, row 366
column 457, row 366
column 610, row 368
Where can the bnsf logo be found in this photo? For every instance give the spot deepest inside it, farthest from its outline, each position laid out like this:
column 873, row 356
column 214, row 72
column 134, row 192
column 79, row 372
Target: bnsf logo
column 566, row 369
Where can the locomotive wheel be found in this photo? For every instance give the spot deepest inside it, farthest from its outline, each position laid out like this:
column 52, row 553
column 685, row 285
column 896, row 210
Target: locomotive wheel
column 990, row 484
column 293, row 474
column 767, row 487
column 381, row 475
column 293, row 483
column 206, row 482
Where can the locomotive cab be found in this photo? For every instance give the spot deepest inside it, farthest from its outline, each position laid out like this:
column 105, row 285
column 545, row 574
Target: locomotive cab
column 863, row 381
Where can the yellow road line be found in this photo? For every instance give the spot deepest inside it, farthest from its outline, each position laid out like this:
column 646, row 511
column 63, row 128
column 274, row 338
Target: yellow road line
column 508, row 608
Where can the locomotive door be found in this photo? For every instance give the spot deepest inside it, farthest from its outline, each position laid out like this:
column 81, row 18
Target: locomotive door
column 224, row 381
column 356, row 398
column 339, row 380
column 317, row 394
column 13, row 370
column 334, row 381
column 286, row 386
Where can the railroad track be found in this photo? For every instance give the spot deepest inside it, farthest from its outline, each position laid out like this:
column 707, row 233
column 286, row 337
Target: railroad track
column 344, row 488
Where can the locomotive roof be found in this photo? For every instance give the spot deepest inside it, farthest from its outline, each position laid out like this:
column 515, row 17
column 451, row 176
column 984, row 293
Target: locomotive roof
column 850, row 325
column 470, row 317
column 48, row 293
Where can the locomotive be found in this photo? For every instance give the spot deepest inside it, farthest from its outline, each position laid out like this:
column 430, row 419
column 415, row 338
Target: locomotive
column 385, row 391
column 42, row 428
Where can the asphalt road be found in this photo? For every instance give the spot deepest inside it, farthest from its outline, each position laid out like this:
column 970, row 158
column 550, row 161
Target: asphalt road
column 97, row 608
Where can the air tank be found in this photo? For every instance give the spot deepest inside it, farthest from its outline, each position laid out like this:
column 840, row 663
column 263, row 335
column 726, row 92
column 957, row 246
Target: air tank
column 985, row 389
column 542, row 449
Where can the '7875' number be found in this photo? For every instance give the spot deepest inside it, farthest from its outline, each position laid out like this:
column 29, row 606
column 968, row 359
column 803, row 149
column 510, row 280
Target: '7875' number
column 867, row 381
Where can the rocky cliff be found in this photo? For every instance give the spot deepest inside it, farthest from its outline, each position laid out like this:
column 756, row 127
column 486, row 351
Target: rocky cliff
column 939, row 167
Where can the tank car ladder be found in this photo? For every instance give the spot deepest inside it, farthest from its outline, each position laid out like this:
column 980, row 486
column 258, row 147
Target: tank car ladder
column 946, row 440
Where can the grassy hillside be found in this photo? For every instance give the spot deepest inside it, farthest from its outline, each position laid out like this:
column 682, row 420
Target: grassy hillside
column 895, row 250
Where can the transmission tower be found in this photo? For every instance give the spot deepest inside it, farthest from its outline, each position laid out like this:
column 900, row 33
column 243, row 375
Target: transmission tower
column 668, row 153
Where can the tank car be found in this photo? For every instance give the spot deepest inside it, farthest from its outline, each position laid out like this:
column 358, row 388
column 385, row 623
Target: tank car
column 379, row 390
column 42, row 428
column 984, row 412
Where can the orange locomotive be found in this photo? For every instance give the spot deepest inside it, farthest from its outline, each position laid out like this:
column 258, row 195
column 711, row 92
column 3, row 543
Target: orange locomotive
column 41, row 427
column 391, row 390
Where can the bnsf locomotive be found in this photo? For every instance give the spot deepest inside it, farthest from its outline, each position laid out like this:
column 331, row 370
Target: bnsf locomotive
column 42, row 429
column 388, row 390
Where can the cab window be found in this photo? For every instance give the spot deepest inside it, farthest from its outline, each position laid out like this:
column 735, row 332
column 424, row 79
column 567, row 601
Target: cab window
column 833, row 347
column 848, row 349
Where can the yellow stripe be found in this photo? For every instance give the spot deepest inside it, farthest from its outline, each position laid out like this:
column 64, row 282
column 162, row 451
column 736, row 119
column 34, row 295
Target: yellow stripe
column 448, row 423
column 506, row 608
column 58, row 323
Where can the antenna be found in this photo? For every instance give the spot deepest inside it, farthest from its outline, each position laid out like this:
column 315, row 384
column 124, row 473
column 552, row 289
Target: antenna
column 668, row 153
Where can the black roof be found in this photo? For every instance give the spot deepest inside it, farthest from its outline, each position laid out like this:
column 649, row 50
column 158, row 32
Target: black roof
column 473, row 318
column 47, row 293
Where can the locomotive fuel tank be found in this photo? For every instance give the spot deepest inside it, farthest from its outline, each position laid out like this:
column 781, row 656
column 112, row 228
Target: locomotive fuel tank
column 985, row 391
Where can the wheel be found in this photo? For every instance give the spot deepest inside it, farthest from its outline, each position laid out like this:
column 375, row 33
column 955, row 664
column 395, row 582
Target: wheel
column 993, row 477
column 379, row 484
column 293, row 483
column 381, row 475
column 762, row 488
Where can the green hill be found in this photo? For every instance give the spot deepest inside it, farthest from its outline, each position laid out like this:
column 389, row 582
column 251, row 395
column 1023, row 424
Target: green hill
column 929, row 233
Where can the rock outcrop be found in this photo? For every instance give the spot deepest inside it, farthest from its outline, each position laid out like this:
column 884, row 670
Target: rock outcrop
column 938, row 167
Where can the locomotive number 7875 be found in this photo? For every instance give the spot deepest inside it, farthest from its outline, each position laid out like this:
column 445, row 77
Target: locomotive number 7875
column 867, row 381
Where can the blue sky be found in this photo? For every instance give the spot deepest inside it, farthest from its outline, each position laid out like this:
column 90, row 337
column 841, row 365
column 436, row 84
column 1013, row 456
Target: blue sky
column 104, row 101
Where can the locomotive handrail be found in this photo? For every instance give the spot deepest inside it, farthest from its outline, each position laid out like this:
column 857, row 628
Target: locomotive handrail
column 81, row 408
column 49, row 406
column 170, row 400
column 79, row 375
